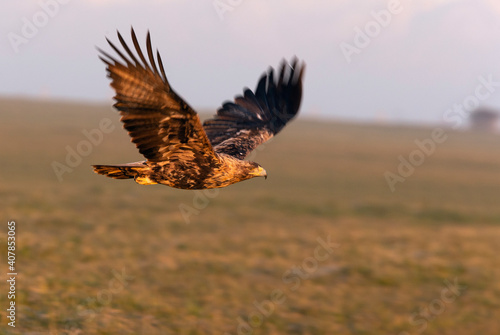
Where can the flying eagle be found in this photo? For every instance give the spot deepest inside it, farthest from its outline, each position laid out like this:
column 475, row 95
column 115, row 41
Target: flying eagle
column 179, row 151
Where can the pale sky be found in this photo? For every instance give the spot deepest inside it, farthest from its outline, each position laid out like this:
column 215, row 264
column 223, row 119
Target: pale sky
column 418, row 60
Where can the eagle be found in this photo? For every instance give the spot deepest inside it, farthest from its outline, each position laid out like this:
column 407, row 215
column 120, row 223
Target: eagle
column 181, row 152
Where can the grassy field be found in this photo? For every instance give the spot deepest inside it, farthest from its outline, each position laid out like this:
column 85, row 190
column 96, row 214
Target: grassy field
column 323, row 246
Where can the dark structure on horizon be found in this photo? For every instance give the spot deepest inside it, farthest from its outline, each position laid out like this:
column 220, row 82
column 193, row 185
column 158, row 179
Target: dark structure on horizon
column 484, row 119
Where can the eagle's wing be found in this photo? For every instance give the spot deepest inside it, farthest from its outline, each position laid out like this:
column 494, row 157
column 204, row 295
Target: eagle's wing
column 156, row 118
column 254, row 118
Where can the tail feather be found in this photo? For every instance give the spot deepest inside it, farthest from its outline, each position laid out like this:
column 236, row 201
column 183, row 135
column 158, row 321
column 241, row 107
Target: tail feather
column 120, row 171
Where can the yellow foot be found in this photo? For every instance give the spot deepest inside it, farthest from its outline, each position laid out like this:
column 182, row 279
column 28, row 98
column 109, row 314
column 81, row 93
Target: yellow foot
column 144, row 180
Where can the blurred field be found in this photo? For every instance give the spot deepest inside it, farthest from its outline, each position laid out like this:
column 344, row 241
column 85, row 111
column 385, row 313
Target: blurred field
column 387, row 276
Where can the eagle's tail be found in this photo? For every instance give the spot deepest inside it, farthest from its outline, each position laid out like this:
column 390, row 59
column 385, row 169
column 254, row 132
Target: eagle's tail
column 125, row 171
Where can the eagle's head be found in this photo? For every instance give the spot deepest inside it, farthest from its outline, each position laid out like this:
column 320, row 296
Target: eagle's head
column 255, row 170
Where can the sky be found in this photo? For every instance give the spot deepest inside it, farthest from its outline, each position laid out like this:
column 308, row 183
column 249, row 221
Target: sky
column 410, row 61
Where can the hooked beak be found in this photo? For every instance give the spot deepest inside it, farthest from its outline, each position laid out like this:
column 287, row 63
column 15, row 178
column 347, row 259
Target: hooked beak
column 260, row 172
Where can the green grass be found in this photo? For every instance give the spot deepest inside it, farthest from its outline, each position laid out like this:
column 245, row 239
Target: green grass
column 395, row 250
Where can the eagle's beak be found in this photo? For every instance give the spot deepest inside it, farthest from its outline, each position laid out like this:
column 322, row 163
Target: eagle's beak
column 260, row 172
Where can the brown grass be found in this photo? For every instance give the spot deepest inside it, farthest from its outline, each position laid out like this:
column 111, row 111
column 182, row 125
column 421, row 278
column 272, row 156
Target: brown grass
column 395, row 249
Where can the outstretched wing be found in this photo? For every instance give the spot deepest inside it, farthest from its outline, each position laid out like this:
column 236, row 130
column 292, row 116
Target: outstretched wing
column 254, row 118
column 159, row 122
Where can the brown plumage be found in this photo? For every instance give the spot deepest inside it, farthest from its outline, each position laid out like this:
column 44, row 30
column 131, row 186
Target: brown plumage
column 179, row 151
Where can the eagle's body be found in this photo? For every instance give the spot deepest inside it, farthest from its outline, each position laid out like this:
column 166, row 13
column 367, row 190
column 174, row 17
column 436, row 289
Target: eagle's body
column 184, row 173
column 179, row 151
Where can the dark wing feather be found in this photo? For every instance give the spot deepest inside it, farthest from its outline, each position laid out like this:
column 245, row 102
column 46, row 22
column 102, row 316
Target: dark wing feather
column 254, row 118
column 159, row 122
